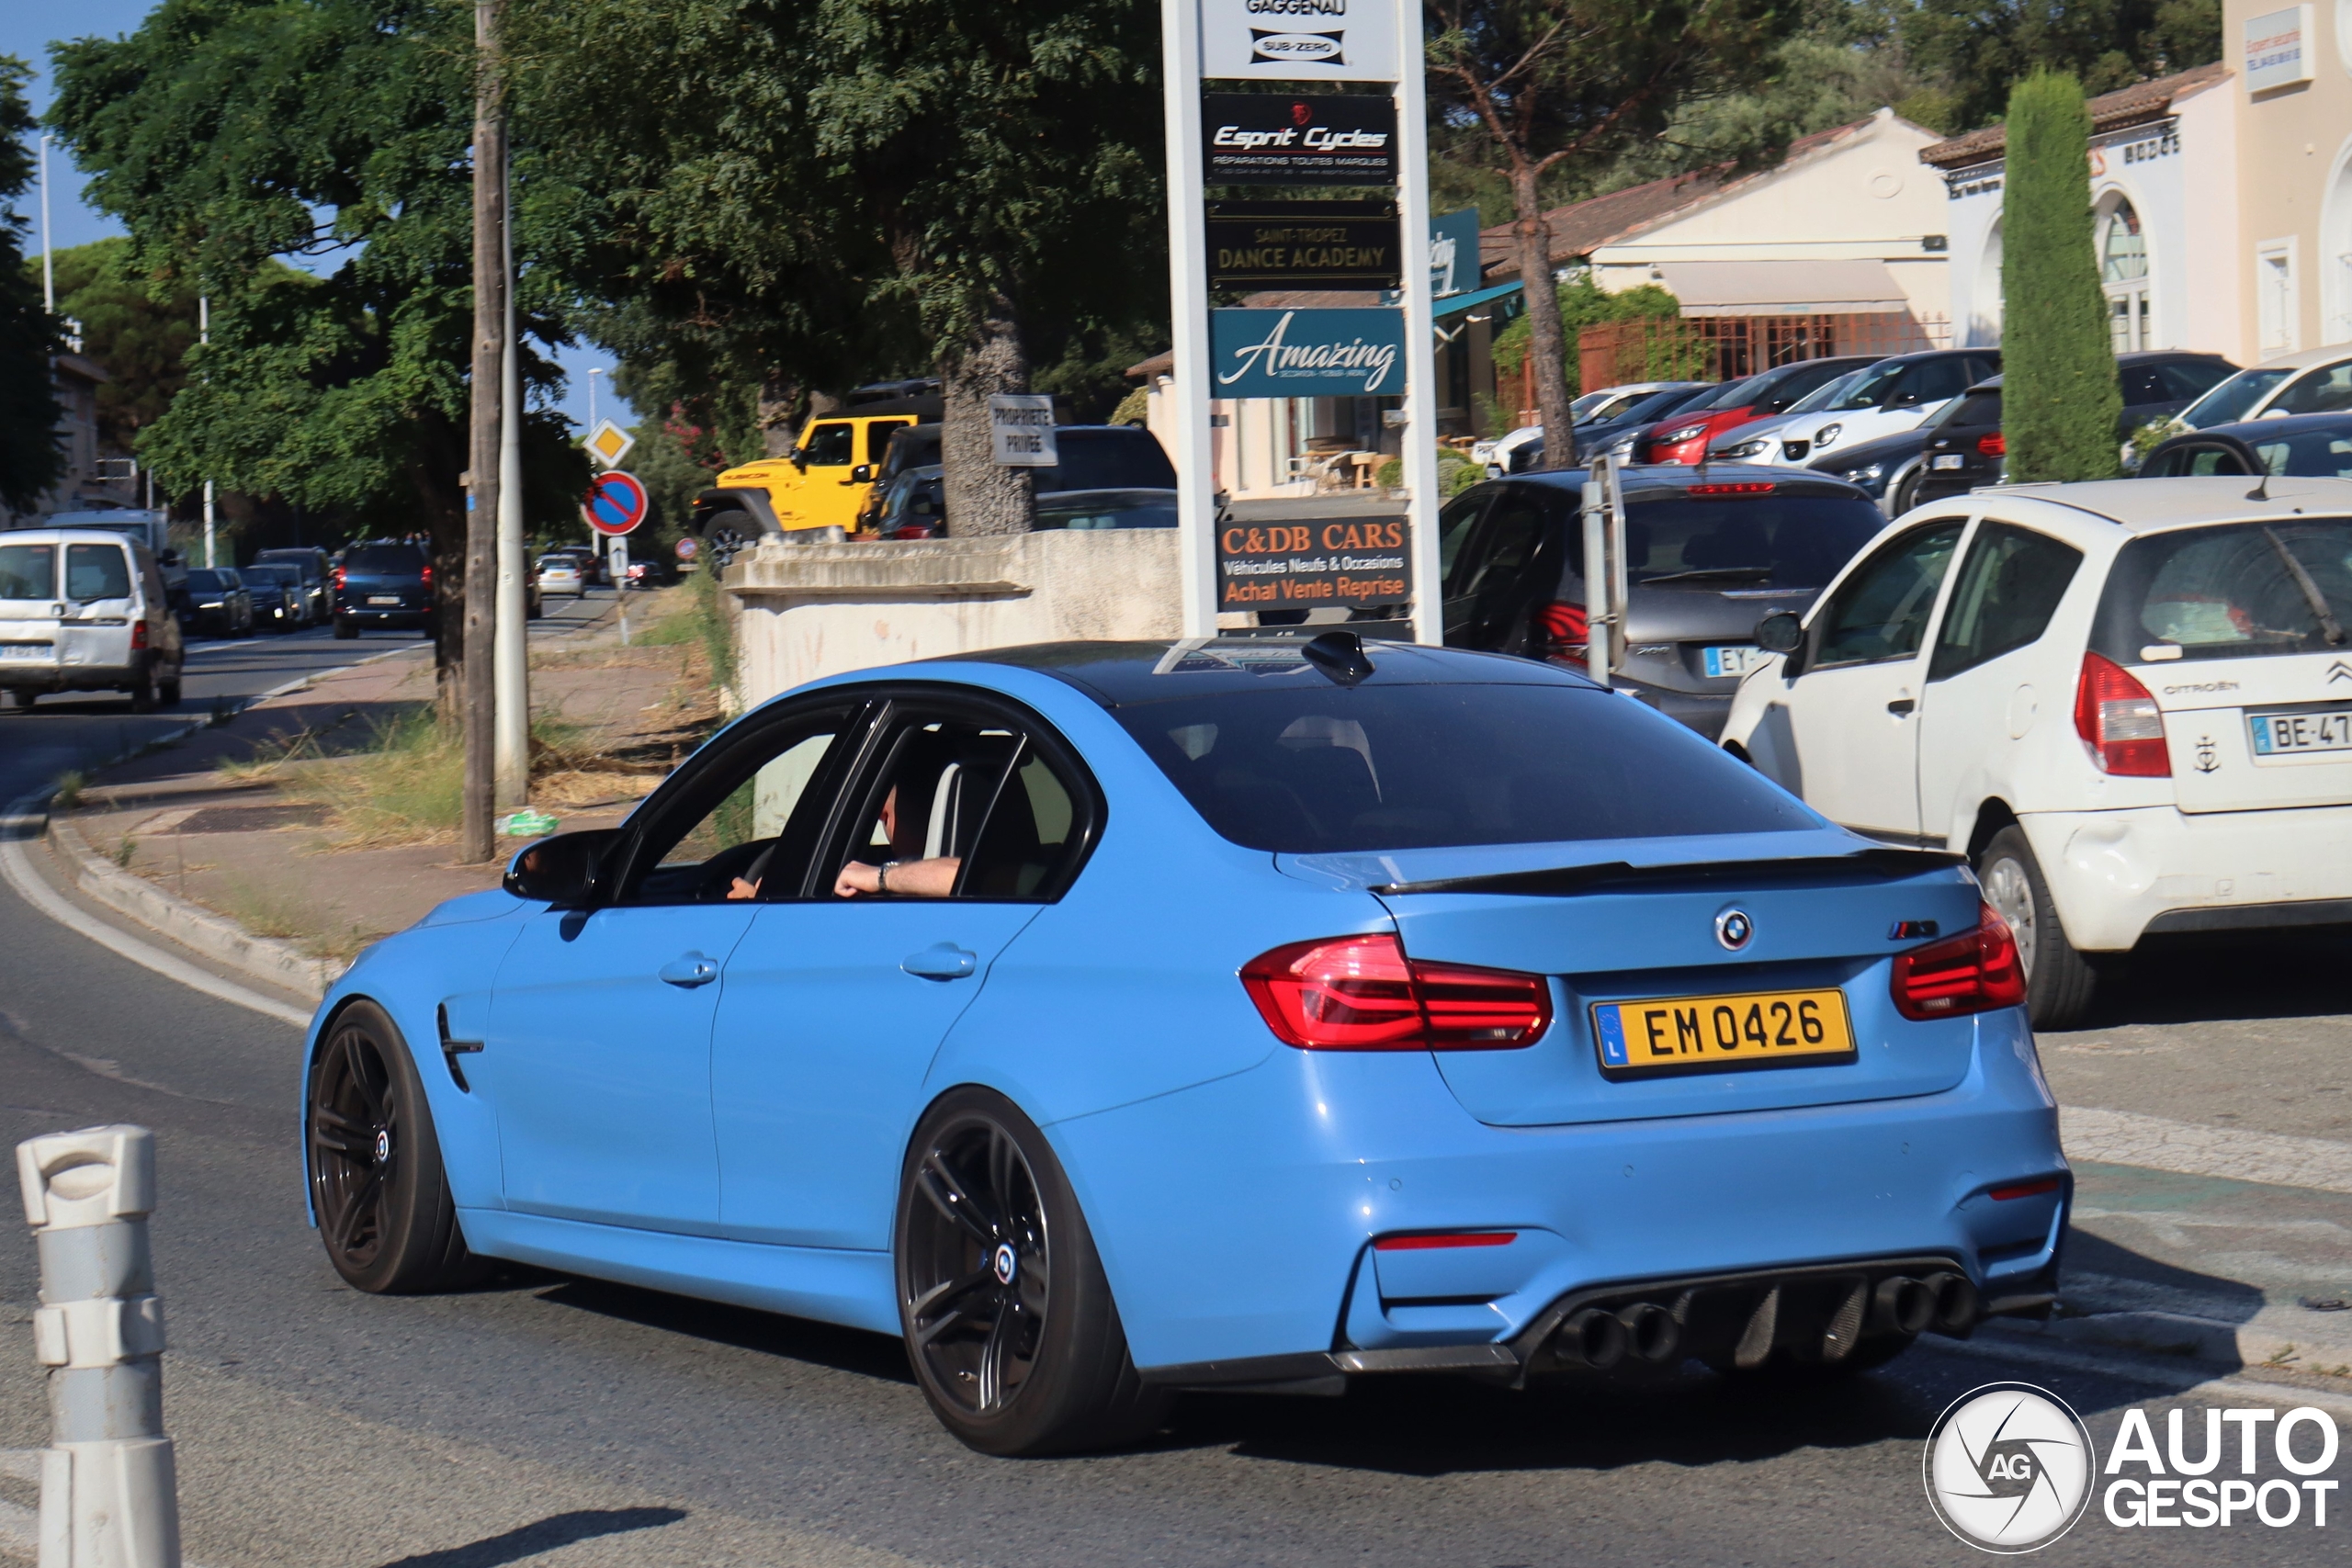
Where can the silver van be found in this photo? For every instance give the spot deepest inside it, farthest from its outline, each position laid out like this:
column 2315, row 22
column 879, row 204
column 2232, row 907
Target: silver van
column 85, row 610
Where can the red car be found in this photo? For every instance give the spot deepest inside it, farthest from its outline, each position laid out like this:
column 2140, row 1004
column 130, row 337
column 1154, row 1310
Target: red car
column 1683, row 437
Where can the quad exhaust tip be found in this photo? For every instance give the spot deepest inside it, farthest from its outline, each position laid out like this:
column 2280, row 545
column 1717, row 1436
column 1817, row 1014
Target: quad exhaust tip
column 1594, row 1338
column 1945, row 1302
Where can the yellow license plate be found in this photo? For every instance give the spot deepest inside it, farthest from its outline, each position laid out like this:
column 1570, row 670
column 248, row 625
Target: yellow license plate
column 1754, row 1028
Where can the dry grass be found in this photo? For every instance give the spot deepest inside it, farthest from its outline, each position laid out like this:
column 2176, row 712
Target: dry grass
column 276, row 912
column 68, row 786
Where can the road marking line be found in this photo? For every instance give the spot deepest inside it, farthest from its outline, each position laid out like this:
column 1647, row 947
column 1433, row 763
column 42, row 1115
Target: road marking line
column 18, row 869
column 2157, row 1143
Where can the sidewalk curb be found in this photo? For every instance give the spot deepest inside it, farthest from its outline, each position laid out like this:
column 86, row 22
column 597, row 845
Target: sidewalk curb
column 215, row 936
column 2174, row 1335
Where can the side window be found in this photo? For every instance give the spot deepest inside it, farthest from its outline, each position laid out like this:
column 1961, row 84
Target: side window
column 2007, row 590
column 832, row 446
column 1930, row 383
column 96, row 571
column 962, row 806
column 1882, row 612
column 1455, row 525
column 748, row 825
column 877, row 437
column 1513, row 530
column 2144, row 384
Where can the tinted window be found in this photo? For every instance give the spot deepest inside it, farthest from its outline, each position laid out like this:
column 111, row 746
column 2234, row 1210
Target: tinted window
column 1778, row 390
column 2006, row 591
column 385, row 560
column 1513, row 529
column 1977, row 408
column 1453, row 527
column 2309, row 453
column 27, row 571
column 1882, row 612
column 2230, row 402
column 204, row 582
column 2143, row 384
column 2194, row 458
column 877, row 439
column 2193, row 378
column 96, row 571
column 1108, row 460
column 1321, row 771
column 1032, row 834
column 1787, row 540
column 2228, row 592
column 830, row 447
column 1112, row 509
column 1867, row 392
column 1931, row 381
column 1730, row 395
column 1657, row 405
column 909, row 450
column 2325, row 391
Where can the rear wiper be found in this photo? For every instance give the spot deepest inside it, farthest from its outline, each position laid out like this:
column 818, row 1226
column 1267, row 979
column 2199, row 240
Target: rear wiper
column 2328, row 624
column 1743, row 573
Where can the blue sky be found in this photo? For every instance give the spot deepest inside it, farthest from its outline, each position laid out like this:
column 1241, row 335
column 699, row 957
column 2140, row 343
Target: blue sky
column 26, row 31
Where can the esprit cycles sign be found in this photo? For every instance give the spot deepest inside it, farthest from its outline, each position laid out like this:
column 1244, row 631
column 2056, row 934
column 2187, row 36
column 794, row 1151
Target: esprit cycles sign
column 1345, row 562
column 1326, row 139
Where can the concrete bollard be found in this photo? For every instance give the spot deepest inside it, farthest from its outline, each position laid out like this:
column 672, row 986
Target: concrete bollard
column 109, row 1495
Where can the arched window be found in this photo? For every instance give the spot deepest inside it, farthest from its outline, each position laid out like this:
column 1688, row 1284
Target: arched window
column 2123, row 273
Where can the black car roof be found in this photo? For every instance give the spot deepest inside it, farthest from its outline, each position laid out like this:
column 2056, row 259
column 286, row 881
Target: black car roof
column 1117, row 673
column 1653, row 483
column 2251, row 430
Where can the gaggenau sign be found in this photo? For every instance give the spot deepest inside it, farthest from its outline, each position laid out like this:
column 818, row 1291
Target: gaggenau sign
column 1289, row 40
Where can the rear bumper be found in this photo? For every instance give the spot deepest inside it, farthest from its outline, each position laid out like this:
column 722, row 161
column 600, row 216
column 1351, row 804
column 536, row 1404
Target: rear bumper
column 39, row 675
column 2118, row 876
column 402, row 617
column 1289, row 1171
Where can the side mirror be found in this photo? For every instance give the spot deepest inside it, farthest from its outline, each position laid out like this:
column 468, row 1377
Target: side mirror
column 563, row 870
column 862, row 474
column 1780, row 632
column 797, row 458
column 169, row 558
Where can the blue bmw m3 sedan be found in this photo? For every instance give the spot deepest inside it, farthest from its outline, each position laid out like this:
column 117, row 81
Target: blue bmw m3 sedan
column 1110, row 1019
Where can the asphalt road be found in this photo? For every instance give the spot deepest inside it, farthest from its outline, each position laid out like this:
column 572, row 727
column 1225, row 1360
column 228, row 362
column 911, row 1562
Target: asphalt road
column 543, row 1420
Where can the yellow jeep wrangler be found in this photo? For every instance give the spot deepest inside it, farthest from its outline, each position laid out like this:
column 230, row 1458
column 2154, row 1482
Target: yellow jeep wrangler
column 813, row 493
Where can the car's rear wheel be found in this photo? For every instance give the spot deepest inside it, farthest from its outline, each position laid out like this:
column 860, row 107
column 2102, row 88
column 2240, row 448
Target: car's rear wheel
column 167, row 692
column 15, row 700
column 2059, row 981
column 142, row 690
column 1905, row 493
column 1008, row 1316
column 377, row 1184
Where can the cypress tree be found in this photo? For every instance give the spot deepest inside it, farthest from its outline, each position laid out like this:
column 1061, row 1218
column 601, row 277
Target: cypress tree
column 2060, row 400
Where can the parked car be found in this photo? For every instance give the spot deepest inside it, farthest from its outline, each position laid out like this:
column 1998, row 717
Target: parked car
column 1760, row 440
column 1613, row 429
column 1404, row 1073
column 1685, row 435
column 592, row 563
column 2316, row 445
column 911, row 446
column 2127, row 709
column 317, row 574
column 561, row 573
column 385, row 583
column 1969, row 449
column 2317, row 380
column 1896, row 395
column 815, row 492
column 1883, row 468
column 914, row 506
column 1107, row 457
column 216, row 602
column 1087, row 509
column 280, row 602
column 1609, row 408
column 1705, row 559
column 86, row 610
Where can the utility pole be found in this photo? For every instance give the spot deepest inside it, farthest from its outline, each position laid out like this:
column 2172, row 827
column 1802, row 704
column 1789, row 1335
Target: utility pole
column 204, row 335
column 514, row 681
column 48, row 268
column 475, row 843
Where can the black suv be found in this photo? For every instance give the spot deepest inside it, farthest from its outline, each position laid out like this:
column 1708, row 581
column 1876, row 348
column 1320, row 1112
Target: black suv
column 1710, row 552
column 316, row 573
column 385, row 583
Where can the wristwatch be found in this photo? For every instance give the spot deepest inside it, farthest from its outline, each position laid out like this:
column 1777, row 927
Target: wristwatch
column 882, row 877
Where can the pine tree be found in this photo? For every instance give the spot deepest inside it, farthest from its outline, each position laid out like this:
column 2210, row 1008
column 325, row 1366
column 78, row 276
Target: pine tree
column 2060, row 400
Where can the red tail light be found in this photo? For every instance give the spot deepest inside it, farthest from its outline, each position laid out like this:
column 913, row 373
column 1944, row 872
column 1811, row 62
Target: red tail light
column 1452, row 1239
column 2118, row 720
column 1974, row 973
column 428, row 574
column 1360, row 993
column 2025, row 1190
column 138, row 635
column 1746, row 488
column 338, row 580
column 1564, row 629
column 1993, row 445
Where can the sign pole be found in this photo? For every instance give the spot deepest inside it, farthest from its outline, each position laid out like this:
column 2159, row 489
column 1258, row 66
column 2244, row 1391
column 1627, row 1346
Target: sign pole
column 1420, row 324
column 1188, row 294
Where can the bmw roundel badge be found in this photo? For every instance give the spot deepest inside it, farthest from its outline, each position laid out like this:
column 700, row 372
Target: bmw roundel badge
column 1733, row 929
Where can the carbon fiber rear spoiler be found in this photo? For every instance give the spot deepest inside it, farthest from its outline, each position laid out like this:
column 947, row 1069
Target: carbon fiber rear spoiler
column 1885, row 864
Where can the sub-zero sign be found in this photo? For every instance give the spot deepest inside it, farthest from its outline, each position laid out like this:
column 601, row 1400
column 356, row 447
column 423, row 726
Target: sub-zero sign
column 1261, row 139
column 1299, row 39
column 1299, row 566
column 1303, row 244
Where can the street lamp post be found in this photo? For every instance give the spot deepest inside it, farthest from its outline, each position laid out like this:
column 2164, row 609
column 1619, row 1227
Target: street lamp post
column 204, row 335
column 48, row 268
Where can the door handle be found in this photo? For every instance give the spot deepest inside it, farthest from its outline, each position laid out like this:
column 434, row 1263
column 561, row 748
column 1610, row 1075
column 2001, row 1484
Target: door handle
column 1901, row 708
column 941, row 961
column 689, row 970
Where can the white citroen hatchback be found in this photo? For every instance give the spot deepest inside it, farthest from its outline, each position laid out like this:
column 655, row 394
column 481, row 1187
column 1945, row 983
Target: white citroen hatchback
column 2129, row 703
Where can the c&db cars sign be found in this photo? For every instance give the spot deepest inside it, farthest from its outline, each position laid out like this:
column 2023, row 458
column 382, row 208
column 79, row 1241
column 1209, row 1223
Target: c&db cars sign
column 1343, row 561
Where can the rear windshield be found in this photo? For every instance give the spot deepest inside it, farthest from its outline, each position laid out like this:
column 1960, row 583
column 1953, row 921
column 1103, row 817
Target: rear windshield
column 385, row 560
column 1331, row 769
column 2228, row 403
column 27, row 571
column 1786, row 541
column 271, row 572
column 1977, row 408
column 1730, row 395
column 2327, row 390
column 2229, row 592
column 96, row 571
column 2306, row 454
column 203, row 581
column 1108, row 460
column 1867, row 392
column 1114, row 509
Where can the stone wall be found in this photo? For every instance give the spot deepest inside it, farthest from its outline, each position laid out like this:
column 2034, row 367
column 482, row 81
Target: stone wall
column 812, row 610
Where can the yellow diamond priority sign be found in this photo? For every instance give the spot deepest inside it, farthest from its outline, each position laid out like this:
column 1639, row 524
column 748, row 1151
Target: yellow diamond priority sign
column 608, row 443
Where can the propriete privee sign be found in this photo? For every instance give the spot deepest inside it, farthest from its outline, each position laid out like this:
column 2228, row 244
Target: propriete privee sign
column 1299, row 40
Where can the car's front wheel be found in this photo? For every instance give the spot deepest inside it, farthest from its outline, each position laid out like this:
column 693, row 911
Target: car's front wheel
column 378, row 1189
column 1008, row 1315
column 2059, row 981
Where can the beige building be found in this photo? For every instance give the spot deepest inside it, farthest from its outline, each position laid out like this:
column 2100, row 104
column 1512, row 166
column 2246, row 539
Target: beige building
column 2293, row 190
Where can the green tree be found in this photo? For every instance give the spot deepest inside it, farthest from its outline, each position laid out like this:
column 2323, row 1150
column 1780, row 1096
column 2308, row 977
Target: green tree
column 1984, row 46
column 30, row 459
column 142, row 334
column 1569, row 85
column 2060, row 400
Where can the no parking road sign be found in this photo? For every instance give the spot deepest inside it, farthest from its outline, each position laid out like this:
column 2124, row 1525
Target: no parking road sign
column 616, row 503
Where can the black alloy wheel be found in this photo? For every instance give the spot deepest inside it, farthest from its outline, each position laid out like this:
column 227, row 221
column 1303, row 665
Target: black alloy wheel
column 727, row 534
column 1008, row 1317
column 382, row 1200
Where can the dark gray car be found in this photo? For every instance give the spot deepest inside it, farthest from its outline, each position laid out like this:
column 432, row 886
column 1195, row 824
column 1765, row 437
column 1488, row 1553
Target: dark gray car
column 1710, row 553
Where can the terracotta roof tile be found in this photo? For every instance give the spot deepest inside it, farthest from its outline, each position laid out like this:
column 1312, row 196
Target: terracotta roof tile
column 2109, row 111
